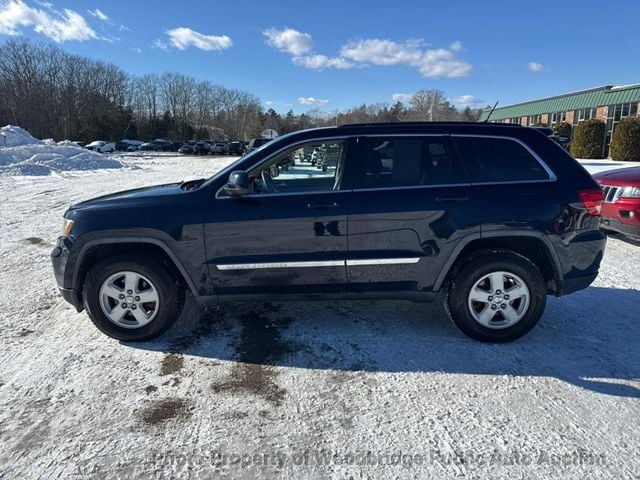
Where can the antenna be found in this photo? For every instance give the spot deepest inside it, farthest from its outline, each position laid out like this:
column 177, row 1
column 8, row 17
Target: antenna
column 486, row 120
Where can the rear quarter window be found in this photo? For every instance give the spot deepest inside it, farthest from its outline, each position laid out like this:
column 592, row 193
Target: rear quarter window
column 498, row 160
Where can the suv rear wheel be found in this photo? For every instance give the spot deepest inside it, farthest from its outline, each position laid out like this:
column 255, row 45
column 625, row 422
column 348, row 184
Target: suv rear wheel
column 496, row 296
column 132, row 297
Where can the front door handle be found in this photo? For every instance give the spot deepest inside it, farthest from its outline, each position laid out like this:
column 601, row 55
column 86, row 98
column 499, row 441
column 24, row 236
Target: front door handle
column 451, row 199
column 322, row 205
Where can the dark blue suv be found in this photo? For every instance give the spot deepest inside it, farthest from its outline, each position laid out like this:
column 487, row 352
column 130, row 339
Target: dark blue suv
column 495, row 217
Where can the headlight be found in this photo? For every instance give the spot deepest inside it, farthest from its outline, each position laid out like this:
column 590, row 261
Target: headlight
column 67, row 227
column 631, row 192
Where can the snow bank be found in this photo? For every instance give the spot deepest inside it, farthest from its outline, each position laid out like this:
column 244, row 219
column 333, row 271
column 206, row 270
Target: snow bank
column 21, row 154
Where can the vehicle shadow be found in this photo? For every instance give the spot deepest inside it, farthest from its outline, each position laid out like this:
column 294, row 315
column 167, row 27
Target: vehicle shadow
column 589, row 339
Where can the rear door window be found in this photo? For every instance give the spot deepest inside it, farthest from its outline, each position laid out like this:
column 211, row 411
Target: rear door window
column 490, row 159
column 387, row 162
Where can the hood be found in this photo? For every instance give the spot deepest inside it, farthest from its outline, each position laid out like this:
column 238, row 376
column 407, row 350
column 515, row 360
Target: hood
column 622, row 176
column 134, row 196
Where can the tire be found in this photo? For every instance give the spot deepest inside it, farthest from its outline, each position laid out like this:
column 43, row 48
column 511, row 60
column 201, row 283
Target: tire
column 478, row 272
column 162, row 283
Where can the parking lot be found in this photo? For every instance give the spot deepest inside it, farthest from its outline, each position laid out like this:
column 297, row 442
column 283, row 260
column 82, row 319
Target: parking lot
column 303, row 390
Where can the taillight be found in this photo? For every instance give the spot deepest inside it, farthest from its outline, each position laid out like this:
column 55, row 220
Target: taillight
column 592, row 200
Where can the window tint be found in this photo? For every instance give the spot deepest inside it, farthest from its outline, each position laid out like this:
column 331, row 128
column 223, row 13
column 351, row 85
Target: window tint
column 311, row 167
column 498, row 160
column 401, row 162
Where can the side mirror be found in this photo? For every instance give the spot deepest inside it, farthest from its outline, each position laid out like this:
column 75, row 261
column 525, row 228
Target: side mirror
column 238, row 184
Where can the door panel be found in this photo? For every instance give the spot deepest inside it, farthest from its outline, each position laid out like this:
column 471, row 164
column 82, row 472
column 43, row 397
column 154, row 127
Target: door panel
column 279, row 244
column 399, row 239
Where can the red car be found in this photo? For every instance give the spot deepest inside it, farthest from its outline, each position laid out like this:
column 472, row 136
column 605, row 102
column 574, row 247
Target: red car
column 621, row 208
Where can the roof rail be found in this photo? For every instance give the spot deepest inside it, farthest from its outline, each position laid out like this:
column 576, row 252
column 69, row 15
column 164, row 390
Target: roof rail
column 421, row 124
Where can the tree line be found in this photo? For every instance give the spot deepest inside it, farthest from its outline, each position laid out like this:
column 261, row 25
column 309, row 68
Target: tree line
column 58, row 95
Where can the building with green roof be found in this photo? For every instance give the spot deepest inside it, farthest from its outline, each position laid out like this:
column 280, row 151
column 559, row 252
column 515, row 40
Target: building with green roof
column 609, row 104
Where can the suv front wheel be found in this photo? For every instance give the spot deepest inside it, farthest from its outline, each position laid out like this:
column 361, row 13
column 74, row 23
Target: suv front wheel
column 132, row 297
column 496, row 296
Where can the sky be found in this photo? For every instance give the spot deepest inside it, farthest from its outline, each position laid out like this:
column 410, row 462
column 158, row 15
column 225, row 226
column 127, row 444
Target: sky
column 333, row 55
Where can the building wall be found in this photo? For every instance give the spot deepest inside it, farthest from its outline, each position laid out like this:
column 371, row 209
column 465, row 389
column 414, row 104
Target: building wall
column 545, row 119
column 523, row 121
column 601, row 113
column 570, row 117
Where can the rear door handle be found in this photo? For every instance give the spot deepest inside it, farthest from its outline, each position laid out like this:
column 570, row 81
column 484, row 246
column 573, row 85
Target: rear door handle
column 451, row 199
column 322, row 205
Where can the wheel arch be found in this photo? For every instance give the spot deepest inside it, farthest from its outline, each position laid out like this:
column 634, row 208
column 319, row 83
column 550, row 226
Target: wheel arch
column 532, row 245
column 98, row 249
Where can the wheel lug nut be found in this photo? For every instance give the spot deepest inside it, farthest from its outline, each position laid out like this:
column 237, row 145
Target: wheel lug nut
column 137, row 299
column 133, row 307
column 494, row 306
column 121, row 296
column 498, row 292
column 129, row 292
column 506, row 297
column 490, row 298
column 124, row 305
column 503, row 306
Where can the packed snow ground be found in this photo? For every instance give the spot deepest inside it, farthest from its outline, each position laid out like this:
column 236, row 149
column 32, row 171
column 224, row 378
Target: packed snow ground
column 303, row 390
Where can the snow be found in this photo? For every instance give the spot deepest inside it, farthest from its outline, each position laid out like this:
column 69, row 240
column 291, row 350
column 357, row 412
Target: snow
column 597, row 165
column 21, row 154
column 271, row 391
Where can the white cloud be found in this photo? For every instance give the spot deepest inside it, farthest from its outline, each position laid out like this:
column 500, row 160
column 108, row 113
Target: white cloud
column 159, row 44
column 430, row 62
column 439, row 62
column 136, row 50
column 312, row 101
column 58, row 26
column 401, row 97
column 183, row 37
column 98, row 14
column 535, row 67
column 467, row 100
column 289, row 40
column 318, row 62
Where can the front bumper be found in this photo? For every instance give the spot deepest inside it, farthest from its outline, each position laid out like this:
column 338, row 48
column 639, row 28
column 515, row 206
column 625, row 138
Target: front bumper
column 59, row 259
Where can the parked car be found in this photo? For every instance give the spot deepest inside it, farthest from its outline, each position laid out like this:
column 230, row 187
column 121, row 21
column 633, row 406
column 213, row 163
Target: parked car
column 255, row 143
column 330, row 156
column 491, row 218
column 176, row 146
column 128, row 145
column 236, row 148
column 621, row 208
column 148, row 147
column 562, row 140
column 201, row 148
column 101, row 146
column 316, row 156
column 163, row 145
column 186, row 148
column 219, row 148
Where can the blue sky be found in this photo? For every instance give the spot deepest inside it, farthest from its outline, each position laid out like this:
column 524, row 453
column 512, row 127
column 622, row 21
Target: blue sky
column 337, row 54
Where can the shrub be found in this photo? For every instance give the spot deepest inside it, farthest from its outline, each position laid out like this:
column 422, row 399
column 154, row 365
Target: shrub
column 562, row 128
column 588, row 140
column 625, row 144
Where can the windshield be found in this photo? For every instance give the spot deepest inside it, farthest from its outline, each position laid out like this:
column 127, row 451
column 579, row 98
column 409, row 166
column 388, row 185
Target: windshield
column 232, row 166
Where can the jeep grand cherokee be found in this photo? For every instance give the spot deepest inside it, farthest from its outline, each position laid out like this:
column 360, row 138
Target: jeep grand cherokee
column 495, row 216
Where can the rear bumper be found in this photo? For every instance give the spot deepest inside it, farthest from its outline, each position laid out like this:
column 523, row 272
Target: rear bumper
column 580, row 260
column 575, row 284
